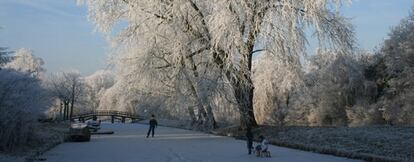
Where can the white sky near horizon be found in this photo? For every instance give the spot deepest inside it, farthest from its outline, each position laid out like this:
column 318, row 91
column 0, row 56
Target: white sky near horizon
column 58, row 30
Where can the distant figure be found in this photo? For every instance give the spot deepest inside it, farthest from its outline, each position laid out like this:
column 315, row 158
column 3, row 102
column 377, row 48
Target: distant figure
column 249, row 136
column 152, row 125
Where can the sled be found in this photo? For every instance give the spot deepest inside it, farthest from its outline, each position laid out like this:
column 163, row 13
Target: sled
column 262, row 153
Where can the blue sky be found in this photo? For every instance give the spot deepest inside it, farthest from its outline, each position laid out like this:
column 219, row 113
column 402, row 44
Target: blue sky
column 373, row 19
column 58, row 30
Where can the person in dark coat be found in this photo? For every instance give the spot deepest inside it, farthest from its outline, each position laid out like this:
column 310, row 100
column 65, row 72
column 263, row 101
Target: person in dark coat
column 249, row 136
column 152, row 125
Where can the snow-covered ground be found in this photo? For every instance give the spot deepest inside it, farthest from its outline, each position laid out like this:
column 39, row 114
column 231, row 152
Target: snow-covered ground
column 170, row 145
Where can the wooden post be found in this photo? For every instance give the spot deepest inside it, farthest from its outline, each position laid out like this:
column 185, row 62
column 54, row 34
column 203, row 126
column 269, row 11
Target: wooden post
column 123, row 120
column 112, row 118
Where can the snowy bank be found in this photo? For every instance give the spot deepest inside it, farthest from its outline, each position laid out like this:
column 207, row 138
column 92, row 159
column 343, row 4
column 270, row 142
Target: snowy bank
column 45, row 137
column 375, row 143
column 379, row 143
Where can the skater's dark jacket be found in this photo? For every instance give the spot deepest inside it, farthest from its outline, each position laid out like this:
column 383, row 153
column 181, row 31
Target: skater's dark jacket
column 249, row 135
column 153, row 123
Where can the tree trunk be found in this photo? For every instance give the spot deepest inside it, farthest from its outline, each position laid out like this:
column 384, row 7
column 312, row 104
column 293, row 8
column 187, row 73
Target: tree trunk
column 241, row 78
column 204, row 108
column 71, row 109
column 192, row 115
column 211, row 121
column 66, row 107
column 242, row 91
column 61, row 110
column 243, row 86
column 67, row 111
column 64, row 111
column 244, row 97
column 72, row 99
column 202, row 114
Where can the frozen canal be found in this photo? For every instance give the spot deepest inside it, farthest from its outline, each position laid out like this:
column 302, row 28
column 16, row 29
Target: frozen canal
column 170, row 145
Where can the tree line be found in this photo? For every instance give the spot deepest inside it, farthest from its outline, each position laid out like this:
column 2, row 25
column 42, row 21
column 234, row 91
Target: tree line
column 28, row 95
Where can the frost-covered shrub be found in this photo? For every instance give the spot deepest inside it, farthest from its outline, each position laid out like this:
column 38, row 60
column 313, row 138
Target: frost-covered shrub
column 364, row 115
column 397, row 102
column 275, row 85
column 335, row 83
column 22, row 100
column 395, row 74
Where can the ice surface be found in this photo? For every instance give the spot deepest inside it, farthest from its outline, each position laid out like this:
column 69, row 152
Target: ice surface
column 129, row 143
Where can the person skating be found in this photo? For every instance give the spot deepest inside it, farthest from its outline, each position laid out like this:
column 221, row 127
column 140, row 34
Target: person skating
column 249, row 136
column 152, row 125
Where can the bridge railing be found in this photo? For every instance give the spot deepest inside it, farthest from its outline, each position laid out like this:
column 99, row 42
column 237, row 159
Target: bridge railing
column 106, row 113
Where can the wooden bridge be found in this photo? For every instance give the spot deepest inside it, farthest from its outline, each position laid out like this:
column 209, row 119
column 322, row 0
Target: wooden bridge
column 111, row 113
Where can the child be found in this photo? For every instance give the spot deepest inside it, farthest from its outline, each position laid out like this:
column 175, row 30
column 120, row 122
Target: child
column 264, row 143
column 258, row 149
column 261, row 149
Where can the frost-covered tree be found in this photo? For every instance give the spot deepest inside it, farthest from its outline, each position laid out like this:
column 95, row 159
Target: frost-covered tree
column 335, row 81
column 25, row 62
column 226, row 33
column 4, row 56
column 138, row 80
column 22, row 100
column 395, row 73
column 68, row 87
column 330, row 81
column 95, row 86
column 275, row 83
column 23, row 97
